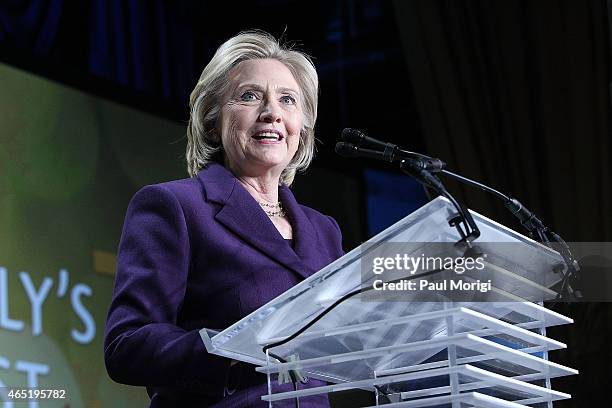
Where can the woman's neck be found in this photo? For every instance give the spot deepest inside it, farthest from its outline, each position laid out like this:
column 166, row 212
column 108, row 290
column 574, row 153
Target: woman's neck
column 262, row 184
column 263, row 189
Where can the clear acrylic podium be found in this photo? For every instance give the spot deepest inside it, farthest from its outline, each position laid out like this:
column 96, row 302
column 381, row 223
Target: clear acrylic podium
column 415, row 349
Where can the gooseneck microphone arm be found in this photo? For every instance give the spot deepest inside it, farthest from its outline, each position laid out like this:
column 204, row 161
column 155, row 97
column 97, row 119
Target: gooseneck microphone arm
column 421, row 167
column 474, row 183
column 418, row 166
column 419, row 171
column 526, row 217
column 538, row 230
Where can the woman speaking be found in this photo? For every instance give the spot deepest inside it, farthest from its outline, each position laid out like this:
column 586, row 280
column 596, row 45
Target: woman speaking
column 208, row 250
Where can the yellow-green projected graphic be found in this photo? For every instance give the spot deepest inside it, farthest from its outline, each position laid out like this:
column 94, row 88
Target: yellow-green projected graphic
column 69, row 163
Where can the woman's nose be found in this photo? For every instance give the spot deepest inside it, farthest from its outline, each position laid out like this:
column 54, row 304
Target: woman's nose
column 270, row 113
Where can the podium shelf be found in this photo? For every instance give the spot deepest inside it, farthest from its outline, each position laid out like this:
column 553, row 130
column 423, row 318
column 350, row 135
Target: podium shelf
column 469, row 400
column 469, row 378
column 469, row 350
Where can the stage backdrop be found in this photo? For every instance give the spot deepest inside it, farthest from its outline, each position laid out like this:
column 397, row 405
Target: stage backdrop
column 69, row 163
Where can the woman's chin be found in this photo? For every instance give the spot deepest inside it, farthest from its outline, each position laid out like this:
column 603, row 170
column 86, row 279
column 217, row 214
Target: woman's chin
column 268, row 161
column 261, row 166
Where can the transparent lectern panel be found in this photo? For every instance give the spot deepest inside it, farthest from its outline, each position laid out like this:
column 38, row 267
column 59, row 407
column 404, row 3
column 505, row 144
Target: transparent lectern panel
column 468, row 400
column 290, row 312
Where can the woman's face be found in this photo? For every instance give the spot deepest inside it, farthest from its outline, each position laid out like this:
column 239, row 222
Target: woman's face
column 261, row 118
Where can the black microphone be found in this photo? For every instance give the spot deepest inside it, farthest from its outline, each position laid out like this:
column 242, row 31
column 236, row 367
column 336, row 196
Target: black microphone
column 416, row 165
column 350, row 150
column 389, row 151
column 358, row 138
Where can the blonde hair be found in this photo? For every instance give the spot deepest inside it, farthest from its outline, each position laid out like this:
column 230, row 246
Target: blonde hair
column 204, row 141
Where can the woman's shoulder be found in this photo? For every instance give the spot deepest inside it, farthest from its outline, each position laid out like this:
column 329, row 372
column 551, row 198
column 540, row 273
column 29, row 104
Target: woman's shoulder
column 313, row 214
column 319, row 219
column 327, row 230
column 184, row 191
column 180, row 186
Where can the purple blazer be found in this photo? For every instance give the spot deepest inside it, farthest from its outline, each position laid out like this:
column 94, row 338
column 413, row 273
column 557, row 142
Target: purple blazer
column 200, row 252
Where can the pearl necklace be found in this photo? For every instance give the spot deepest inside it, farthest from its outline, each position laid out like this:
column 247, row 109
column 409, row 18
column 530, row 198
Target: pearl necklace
column 273, row 210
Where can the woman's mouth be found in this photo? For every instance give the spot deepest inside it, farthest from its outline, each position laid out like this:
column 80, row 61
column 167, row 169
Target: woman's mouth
column 268, row 137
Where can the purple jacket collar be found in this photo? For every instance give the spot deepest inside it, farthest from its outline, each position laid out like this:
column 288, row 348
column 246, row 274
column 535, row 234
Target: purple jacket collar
column 241, row 213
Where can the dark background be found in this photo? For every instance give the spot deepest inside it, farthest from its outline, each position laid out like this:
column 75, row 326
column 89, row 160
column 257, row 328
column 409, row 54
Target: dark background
column 511, row 93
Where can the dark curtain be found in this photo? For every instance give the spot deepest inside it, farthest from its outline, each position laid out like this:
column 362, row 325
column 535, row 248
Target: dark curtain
column 147, row 46
column 30, row 24
column 515, row 94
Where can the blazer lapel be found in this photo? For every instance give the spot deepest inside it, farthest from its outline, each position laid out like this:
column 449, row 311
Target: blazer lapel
column 242, row 215
column 304, row 234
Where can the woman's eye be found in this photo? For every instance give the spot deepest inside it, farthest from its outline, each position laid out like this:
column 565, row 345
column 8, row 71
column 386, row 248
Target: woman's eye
column 287, row 99
column 248, row 96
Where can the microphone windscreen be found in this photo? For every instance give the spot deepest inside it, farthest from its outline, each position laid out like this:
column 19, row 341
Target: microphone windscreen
column 345, row 149
column 353, row 136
